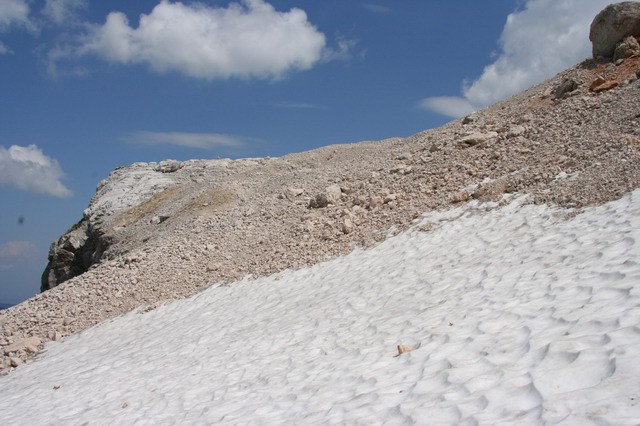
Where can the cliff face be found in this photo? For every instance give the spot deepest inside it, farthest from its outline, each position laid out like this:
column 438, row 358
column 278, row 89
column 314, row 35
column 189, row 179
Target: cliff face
column 74, row 253
column 91, row 239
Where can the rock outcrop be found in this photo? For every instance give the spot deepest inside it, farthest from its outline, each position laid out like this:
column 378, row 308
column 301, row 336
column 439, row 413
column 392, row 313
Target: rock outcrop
column 74, row 253
column 89, row 240
column 612, row 25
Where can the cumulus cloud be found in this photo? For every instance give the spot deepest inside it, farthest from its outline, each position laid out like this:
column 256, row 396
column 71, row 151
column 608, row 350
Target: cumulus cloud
column 544, row 38
column 28, row 169
column 247, row 39
column 63, row 11
column 190, row 140
column 12, row 252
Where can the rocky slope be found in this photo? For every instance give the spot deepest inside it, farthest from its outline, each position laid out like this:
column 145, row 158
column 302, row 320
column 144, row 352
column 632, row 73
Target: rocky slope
column 159, row 232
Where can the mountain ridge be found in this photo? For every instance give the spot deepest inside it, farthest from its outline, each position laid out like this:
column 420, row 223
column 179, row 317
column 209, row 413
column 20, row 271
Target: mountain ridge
column 203, row 222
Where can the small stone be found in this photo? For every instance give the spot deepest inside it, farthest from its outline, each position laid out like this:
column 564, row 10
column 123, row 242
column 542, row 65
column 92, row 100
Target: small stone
column 516, row 131
column 567, row 86
column 347, row 226
column 468, row 119
column 389, row 198
column 15, row 362
column 597, row 82
column 375, row 201
column 403, row 349
column 607, row 85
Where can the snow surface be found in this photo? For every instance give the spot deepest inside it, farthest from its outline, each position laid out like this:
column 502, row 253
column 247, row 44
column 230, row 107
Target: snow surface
column 518, row 314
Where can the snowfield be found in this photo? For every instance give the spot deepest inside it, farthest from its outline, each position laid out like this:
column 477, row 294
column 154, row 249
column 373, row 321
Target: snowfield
column 519, row 313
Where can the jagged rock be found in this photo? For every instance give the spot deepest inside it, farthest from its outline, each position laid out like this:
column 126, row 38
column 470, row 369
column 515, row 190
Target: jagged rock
column 319, row 201
column 291, row 193
column 73, row 254
column 158, row 219
column 331, row 195
column 468, row 119
column 375, row 201
column 477, row 138
column 22, row 344
column 516, row 131
column 168, row 166
column 567, row 86
column 347, row 226
column 612, row 25
column 626, row 48
column 15, row 361
column 607, row 85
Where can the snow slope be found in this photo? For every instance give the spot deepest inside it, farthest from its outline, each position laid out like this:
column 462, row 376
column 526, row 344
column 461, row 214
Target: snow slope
column 520, row 314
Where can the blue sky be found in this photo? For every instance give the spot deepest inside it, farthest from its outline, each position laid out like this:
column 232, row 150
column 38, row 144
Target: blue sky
column 90, row 85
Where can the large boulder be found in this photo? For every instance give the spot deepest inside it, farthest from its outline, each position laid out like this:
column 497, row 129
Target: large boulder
column 612, row 25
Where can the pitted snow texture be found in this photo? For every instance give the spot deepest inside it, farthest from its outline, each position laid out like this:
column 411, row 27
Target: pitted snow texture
column 520, row 314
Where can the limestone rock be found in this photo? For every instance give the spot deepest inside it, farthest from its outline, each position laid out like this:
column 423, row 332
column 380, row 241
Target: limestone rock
column 567, row 86
column 168, row 166
column 477, row 138
column 626, row 48
column 331, row 195
column 21, row 344
column 607, row 85
column 612, row 25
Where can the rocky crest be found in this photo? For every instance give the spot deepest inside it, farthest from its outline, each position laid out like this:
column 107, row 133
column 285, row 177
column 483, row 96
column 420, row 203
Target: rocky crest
column 159, row 232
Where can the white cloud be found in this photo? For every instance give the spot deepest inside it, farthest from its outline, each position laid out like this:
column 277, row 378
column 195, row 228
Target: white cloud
column 451, row 106
column 63, row 11
column 190, row 140
column 247, row 39
column 14, row 13
column 544, row 38
column 28, row 169
column 16, row 251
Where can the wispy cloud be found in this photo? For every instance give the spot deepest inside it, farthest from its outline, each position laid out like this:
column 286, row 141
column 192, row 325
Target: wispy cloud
column 377, row 8
column 14, row 14
column 13, row 252
column 63, row 12
column 299, row 105
column 536, row 43
column 28, row 169
column 190, row 140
